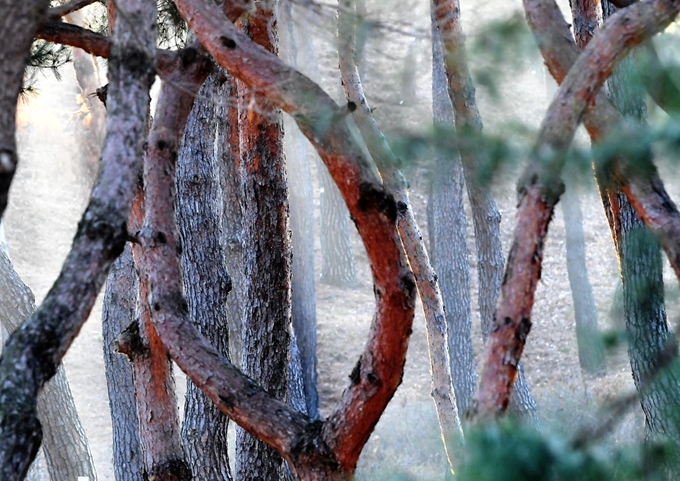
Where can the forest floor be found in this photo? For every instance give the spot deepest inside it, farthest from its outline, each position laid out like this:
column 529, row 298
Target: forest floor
column 46, row 203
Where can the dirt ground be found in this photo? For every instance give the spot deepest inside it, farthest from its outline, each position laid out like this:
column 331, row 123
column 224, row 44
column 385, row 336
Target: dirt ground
column 46, row 202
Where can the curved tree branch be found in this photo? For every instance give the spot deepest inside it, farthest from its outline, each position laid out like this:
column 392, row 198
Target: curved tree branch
column 426, row 278
column 34, row 351
column 540, row 187
column 379, row 371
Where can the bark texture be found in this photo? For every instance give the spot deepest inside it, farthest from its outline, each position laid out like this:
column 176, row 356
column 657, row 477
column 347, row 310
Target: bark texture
column 267, row 261
column 40, row 343
column 155, row 396
column 65, row 446
column 650, row 341
column 448, row 241
column 119, row 311
column 206, row 280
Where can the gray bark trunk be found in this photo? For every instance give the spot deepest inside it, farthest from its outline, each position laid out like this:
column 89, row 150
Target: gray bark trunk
column 267, row 261
column 650, row 341
column 448, row 244
column 120, row 306
column 486, row 221
column 64, row 444
column 233, row 235
column 206, row 281
column 337, row 266
column 301, row 198
column 591, row 353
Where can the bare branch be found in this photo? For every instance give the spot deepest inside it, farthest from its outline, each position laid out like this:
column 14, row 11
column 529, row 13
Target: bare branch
column 426, row 278
column 540, row 188
column 67, row 8
column 379, row 371
column 33, row 352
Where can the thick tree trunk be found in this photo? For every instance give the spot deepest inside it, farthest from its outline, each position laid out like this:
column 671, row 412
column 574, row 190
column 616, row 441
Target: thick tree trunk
column 302, row 227
column 119, row 311
column 206, row 281
column 267, row 261
column 651, row 342
column 67, row 453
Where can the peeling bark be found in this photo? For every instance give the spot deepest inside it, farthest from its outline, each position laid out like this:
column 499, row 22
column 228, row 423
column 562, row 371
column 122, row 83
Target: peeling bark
column 33, row 352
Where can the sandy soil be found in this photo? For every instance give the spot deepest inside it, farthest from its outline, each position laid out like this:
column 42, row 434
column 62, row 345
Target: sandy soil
column 47, row 201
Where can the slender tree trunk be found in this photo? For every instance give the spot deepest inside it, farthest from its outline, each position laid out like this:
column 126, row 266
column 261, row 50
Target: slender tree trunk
column 267, row 320
column 66, row 449
column 206, row 281
column 337, row 266
column 448, row 241
column 591, row 353
column 119, row 311
column 302, row 226
column 485, row 215
column 91, row 126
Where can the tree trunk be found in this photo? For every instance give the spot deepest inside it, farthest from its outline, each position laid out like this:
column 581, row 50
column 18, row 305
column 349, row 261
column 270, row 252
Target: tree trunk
column 651, row 341
column 119, row 311
column 233, row 234
column 591, row 353
column 67, row 453
column 448, row 244
column 302, row 227
column 206, row 281
column 485, row 215
column 337, row 266
column 267, row 320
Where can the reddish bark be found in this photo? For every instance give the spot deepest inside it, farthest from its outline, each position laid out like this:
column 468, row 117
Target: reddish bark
column 379, row 371
column 539, row 189
column 426, row 279
column 156, row 399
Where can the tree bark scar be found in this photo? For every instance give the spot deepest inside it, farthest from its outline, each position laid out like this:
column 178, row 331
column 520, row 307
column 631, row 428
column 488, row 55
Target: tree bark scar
column 228, row 42
column 130, row 343
column 375, row 197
